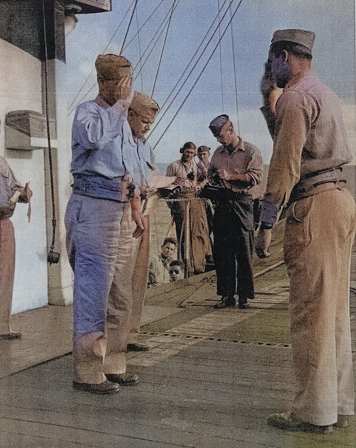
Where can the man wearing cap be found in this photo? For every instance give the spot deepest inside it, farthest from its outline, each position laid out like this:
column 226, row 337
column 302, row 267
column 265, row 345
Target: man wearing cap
column 188, row 212
column 236, row 166
column 129, row 285
column 305, row 174
column 203, row 153
column 101, row 187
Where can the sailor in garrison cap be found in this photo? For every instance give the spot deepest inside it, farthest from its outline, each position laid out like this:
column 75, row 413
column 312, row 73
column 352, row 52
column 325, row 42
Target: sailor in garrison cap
column 236, row 166
column 129, row 285
column 93, row 217
column 305, row 175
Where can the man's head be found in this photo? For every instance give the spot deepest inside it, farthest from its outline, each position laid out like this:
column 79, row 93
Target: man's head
column 203, row 153
column 188, row 151
column 141, row 114
column 288, row 46
column 110, row 69
column 168, row 247
column 176, row 271
column 223, row 130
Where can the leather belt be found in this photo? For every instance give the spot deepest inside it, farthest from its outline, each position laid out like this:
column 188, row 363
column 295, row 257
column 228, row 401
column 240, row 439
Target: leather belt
column 314, row 183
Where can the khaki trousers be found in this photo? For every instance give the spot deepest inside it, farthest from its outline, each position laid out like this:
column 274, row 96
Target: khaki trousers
column 7, row 273
column 127, row 291
column 317, row 247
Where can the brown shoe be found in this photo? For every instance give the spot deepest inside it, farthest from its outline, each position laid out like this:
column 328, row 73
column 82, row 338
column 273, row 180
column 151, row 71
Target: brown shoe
column 10, row 336
column 104, row 388
column 124, row 379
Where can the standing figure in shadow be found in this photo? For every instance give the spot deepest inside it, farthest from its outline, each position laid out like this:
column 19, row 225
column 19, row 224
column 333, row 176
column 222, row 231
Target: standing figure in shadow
column 188, row 212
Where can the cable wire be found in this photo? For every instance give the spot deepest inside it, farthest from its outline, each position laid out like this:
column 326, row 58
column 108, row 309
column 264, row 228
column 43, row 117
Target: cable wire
column 192, row 69
column 156, row 36
column 144, row 24
column 163, row 48
column 196, row 81
column 71, row 107
column 128, row 26
column 235, row 77
column 54, row 221
column 190, row 62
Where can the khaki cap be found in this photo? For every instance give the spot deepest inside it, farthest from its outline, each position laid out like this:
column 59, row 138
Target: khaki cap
column 301, row 37
column 112, row 66
column 144, row 105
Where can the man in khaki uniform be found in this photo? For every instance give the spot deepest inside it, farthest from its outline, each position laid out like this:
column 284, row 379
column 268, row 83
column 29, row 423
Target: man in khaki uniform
column 129, row 285
column 10, row 193
column 305, row 174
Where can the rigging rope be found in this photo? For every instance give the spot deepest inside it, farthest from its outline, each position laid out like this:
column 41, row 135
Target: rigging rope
column 128, row 26
column 196, row 81
column 191, row 60
column 163, row 47
column 157, row 35
column 144, row 23
column 221, row 71
column 207, row 44
column 71, row 107
column 235, row 78
column 139, row 47
column 53, row 257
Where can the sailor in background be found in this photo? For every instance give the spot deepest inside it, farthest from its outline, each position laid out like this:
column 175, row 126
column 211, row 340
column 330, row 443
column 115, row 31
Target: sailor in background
column 236, row 166
column 188, row 212
column 11, row 192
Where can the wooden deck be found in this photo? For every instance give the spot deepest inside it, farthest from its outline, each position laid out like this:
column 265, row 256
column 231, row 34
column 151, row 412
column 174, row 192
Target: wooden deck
column 210, row 379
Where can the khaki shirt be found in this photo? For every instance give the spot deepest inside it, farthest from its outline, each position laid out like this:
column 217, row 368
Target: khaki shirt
column 181, row 171
column 8, row 186
column 309, row 137
column 245, row 159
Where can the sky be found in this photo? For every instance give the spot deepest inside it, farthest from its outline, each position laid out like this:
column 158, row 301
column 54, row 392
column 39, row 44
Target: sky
column 226, row 77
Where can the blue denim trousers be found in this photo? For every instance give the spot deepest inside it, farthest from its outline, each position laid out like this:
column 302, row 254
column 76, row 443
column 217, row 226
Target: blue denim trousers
column 93, row 227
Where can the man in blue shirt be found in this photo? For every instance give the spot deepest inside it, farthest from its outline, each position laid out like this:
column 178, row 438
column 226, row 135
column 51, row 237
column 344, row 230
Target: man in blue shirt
column 101, row 187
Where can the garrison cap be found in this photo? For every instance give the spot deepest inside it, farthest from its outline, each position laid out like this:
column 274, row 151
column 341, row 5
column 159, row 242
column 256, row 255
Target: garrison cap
column 218, row 122
column 144, row 105
column 111, row 66
column 301, row 37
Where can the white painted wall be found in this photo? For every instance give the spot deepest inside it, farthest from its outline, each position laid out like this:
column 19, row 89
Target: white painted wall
column 20, row 89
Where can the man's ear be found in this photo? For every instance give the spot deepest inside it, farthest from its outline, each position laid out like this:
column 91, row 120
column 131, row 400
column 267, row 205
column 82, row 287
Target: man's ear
column 284, row 55
column 129, row 114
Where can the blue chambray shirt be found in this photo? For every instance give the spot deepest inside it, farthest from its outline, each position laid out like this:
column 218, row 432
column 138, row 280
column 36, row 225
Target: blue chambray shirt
column 97, row 138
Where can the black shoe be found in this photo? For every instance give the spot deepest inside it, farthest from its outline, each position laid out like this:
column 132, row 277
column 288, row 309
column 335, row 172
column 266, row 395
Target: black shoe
column 124, row 379
column 137, row 347
column 225, row 302
column 104, row 388
column 209, row 259
column 243, row 303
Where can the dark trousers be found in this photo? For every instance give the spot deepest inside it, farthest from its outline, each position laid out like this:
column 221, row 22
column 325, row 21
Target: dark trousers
column 233, row 250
